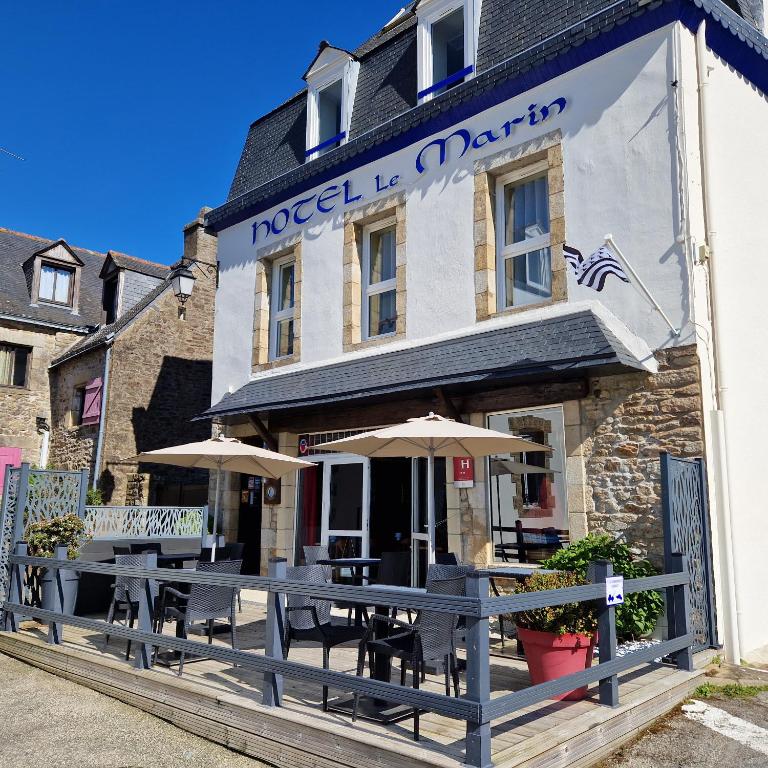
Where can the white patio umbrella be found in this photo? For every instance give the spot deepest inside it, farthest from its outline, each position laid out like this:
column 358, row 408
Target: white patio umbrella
column 431, row 436
column 225, row 453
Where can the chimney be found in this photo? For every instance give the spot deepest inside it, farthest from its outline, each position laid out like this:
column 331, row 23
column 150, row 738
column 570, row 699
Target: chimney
column 199, row 242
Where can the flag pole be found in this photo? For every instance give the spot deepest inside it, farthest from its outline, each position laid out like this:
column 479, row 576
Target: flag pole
column 610, row 242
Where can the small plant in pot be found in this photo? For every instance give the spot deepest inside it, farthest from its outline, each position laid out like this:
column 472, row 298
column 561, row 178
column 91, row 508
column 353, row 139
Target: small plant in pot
column 560, row 639
column 42, row 540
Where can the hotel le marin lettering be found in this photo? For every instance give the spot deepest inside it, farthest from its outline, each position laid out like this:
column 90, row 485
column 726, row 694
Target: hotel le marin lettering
column 423, row 228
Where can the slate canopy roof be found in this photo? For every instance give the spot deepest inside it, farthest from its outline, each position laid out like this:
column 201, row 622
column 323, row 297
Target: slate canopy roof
column 514, row 38
column 571, row 344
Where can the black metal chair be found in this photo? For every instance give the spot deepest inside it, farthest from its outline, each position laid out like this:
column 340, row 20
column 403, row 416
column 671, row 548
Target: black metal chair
column 309, row 619
column 126, row 593
column 446, row 558
column 315, row 552
column 204, row 602
column 429, row 640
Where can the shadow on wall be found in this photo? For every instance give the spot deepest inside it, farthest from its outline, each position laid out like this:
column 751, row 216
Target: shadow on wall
column 182, row 391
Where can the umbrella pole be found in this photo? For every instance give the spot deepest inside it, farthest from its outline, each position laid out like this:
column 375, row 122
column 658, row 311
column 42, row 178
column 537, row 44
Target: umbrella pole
column 216, row 512
column 431, row 504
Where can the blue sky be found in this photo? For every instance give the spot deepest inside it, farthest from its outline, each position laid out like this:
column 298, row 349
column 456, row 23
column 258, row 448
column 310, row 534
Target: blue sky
column 131, row 116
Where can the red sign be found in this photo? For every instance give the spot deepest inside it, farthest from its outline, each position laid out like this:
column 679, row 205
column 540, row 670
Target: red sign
column 463, row 472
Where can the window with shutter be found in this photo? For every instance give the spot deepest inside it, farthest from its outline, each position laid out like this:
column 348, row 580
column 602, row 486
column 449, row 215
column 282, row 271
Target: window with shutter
column 92, row 403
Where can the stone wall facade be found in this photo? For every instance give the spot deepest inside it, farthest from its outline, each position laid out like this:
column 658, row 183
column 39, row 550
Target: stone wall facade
column 159, row 380
column 626, row 423
column 21, row 406
column 73, row 447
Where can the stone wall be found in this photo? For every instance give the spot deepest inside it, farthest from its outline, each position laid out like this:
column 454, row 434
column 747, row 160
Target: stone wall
column 160, row 379
column 626, row 423
column 73, row 447
column 20, row 407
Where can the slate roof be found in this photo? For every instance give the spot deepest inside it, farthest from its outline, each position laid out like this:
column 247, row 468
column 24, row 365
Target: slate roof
column 15, row 249
column 572, row 343
column 135, row 264
column 105, row 332
column 514, row 37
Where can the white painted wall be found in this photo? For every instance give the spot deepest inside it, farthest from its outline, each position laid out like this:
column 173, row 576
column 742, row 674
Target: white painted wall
column 739, row 166
column 618, row 144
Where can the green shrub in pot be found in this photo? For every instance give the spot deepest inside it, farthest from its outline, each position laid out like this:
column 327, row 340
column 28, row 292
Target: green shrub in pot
column 67, row 530
column 572, row 618
column 638, row 615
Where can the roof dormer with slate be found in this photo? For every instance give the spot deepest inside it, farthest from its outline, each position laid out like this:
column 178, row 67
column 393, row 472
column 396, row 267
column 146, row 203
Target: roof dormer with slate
column 126, row 281
column 394, row 97
column 53, row 277
column 331, row 82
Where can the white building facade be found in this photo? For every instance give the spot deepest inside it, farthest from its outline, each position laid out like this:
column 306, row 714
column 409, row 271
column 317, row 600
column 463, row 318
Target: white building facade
column 395, row 242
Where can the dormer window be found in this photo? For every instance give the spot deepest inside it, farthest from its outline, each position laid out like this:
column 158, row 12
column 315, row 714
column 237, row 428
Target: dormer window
column 54, row 275
column 329, row 117
column 447, row 41
column 331, row 81
column 56, row 284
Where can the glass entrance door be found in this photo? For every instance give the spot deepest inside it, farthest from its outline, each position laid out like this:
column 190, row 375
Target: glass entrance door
column 419, row 525
column 345, row 518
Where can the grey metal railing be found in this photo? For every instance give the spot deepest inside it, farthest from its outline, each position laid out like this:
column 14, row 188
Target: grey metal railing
column 476, row 707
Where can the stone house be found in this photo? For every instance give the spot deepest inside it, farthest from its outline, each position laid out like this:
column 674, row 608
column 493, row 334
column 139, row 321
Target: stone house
column 404, row 235
column 127, row 378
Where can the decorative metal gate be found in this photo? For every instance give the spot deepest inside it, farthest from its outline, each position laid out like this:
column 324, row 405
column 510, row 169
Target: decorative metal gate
column 686, row 531
column 32, row 495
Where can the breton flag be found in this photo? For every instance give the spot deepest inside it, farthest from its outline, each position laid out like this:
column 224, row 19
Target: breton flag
column 594, row 270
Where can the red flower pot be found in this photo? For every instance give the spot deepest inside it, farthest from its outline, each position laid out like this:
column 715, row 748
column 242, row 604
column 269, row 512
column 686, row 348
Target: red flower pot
column 550, row 656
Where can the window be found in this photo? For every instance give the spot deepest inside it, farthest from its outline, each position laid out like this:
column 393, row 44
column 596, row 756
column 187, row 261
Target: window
column 524, row 262
column 331, row 82
column 329, row 117
column 78, row 406
column 282, row 309
column 448, row 50
column 447, row 40
column 14, row 364
column 109, row 300
column 55, row 284
column 379, row 304
column 529, row 487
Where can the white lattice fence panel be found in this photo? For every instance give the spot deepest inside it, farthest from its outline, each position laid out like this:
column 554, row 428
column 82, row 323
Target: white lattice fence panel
column 51, row 494
column 144, row 522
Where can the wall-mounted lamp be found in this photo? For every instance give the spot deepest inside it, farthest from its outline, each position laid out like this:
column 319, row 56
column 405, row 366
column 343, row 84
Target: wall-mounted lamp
column 183, row 281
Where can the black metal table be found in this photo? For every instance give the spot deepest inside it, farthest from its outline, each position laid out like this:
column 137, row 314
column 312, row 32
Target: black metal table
column 377, row 710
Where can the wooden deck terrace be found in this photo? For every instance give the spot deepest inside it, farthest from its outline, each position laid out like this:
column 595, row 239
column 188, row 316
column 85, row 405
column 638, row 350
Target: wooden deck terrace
column 223, row 703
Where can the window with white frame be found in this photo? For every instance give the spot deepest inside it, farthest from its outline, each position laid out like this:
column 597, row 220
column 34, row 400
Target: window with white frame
column 329, row 102
column 379, row 305
column 447, row 41
column 524, row 260
column 331, row 82
column 281, row 313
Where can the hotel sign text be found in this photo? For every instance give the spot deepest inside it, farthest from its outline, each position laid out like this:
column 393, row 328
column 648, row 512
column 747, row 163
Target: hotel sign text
column 431, row 155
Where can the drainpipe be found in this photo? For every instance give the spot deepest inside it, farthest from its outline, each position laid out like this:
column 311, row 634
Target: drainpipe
column 718, row 416
column 103, row 414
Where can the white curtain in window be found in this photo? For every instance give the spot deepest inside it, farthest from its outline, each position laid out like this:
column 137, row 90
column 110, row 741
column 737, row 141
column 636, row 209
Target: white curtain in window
column 62, row 286
column 6, row 365
column 47, row 282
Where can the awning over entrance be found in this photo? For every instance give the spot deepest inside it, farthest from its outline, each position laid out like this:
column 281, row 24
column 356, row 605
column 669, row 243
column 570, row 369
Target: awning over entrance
column 557, row 347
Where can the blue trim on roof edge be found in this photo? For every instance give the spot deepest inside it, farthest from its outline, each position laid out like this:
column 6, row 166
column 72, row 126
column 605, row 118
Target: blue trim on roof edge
column 326, row 143
column 721, row 39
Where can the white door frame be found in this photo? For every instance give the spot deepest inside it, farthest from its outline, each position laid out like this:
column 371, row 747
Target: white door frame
column 419, row 532
column 363, row 533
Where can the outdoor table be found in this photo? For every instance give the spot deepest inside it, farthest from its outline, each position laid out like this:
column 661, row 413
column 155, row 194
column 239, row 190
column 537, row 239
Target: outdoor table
column 357, row 565
column 175, row 559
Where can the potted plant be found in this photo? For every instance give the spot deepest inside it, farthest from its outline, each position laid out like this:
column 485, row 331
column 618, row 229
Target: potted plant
column 560, row 639
column 42, row 540
column 638, row 615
